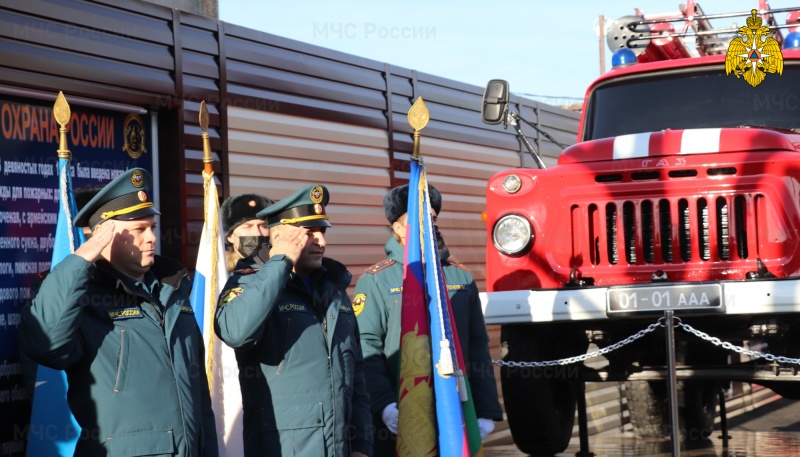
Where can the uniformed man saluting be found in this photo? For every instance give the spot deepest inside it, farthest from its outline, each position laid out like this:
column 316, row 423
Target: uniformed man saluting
column 286, row 312
column 117, row 318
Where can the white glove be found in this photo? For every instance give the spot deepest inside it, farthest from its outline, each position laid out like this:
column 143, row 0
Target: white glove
column 485, row 426
column 389, row 416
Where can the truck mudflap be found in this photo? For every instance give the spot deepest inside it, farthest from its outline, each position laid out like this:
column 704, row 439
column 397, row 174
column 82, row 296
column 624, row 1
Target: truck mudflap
column 774, row 296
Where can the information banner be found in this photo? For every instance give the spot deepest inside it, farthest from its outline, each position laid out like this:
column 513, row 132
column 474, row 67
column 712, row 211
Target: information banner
column 103, row 144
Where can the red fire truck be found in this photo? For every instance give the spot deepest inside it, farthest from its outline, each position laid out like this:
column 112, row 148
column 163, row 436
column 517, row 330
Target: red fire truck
column 682, row 193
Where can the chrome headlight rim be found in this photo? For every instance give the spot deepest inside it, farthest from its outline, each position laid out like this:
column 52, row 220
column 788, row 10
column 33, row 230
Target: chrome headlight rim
column 525, row 240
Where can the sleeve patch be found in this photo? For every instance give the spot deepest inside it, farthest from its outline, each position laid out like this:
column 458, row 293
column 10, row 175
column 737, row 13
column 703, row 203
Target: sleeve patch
column 358, row 303
column 230, row 295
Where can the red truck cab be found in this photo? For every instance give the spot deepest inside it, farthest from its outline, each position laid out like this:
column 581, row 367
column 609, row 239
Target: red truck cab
column 682, row 193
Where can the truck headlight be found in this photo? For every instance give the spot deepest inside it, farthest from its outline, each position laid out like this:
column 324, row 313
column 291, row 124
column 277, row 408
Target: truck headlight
column 512, row 234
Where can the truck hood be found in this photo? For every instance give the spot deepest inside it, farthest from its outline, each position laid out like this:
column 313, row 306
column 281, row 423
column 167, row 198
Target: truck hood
column 676, row 142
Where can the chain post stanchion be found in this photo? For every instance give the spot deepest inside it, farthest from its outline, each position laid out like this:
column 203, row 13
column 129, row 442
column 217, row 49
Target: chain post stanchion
column 583, row 422
column 673, row 382
column 723, row 419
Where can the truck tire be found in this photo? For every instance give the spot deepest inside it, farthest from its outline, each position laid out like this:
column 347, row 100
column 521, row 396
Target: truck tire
column 648, row 405
column 540, row 404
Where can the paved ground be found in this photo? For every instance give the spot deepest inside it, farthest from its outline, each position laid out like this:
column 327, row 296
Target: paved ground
column 771, row 430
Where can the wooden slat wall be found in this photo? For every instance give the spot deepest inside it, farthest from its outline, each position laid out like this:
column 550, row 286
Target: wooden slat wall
column 276, row 154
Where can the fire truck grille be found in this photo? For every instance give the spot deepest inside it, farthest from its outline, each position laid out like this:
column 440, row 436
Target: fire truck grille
column 669, row 231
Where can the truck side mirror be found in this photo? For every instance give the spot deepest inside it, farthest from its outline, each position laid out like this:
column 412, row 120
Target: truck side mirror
column 495, row 102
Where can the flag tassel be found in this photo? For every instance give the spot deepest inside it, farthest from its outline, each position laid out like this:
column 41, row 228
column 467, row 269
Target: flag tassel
column 445, row 365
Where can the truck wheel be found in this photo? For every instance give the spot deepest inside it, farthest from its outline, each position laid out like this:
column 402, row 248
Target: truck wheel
column 540, row 403
column 699, row 401
column 648, row 405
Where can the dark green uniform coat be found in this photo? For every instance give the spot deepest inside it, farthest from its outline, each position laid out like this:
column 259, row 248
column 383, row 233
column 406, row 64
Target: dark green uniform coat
column 134, row 361
column 377, row 300
column 300, row 364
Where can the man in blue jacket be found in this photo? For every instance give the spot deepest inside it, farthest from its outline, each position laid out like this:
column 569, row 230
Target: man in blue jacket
column 116, row 317
column 286, row 312
column 377, row 301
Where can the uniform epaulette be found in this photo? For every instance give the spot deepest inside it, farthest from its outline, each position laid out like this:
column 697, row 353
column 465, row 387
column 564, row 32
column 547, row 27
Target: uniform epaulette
column 245, row 271
column 458, row 265
column 380, row 266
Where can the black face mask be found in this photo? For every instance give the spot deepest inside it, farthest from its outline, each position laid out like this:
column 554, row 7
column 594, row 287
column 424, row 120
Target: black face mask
column 441, row 246
column 250, row 244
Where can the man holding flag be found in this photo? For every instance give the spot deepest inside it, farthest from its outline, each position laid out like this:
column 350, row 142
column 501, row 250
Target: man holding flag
column 377, row 303
column 116, row 318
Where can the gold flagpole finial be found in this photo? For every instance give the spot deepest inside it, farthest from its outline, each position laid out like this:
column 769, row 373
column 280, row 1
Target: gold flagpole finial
column 207, row 159
column 418, row 117
column 62, row 114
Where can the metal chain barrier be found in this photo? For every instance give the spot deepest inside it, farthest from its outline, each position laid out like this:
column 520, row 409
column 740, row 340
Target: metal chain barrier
column 726, row 345
column 660, row 323
column 584, row 357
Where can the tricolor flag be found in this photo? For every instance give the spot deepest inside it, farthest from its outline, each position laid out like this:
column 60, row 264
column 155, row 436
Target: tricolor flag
column 223, row 373
column 53, row 429
column 436, row 412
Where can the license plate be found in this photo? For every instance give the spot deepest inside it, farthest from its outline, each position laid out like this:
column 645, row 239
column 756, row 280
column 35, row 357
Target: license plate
column 678, row 297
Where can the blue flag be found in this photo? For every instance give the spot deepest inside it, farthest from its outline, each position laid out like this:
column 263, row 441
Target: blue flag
column 424, row 277
column 449, row 417
column 53, row 430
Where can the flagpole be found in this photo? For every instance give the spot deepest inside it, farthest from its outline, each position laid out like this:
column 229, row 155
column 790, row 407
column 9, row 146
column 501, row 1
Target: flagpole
column 454, row 420
column 416, row 422
column 210, row 278
column 53, row 429
column 208, row 180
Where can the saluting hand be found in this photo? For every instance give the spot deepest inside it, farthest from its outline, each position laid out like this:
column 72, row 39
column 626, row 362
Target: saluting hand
column 289, row 240
column 93, row 247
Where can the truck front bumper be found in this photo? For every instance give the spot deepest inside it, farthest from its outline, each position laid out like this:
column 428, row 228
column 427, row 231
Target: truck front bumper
column 553, row 305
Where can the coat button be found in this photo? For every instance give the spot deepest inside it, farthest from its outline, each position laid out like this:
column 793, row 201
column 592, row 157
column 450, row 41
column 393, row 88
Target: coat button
column 333, row 316
column 319, row 421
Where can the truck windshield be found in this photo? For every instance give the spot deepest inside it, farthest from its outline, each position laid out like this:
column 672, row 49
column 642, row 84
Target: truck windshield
column 686, row 100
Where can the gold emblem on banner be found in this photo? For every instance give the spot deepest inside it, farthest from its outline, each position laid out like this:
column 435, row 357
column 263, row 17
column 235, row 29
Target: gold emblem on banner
column 134, row 136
